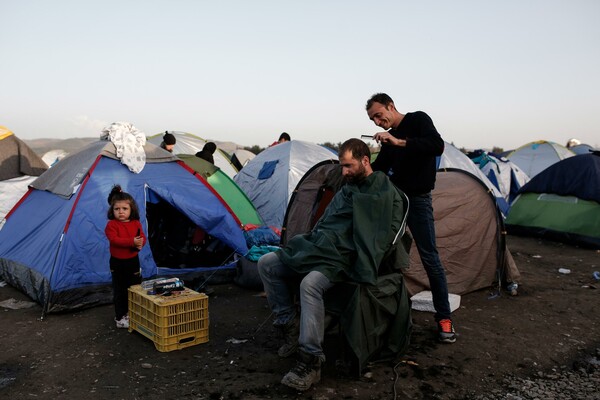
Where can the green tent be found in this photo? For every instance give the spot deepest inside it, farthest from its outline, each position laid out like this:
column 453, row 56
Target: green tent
column 235, row 198
column 561, row 203
column 564, row 218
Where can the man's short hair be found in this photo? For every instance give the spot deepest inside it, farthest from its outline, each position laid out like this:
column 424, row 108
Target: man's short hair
column 380, row 98
column 356, row 147
column 285, row 136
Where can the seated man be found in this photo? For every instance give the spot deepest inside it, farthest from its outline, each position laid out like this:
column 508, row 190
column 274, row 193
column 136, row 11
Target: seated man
column 347, row 244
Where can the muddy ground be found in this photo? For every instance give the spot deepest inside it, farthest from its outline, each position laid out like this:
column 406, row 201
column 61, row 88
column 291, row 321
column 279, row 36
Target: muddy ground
column 81, row 355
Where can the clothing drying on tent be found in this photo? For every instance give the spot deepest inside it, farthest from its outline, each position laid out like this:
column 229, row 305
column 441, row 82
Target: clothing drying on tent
column 53, row 246
column 187, row 143
column 535, row 157
column 270, row 178
column 504, row 174
column 20, row 167
column 562, row 202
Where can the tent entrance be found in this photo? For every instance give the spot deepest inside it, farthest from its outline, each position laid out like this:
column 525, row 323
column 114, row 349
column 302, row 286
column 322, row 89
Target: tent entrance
column 177, row 242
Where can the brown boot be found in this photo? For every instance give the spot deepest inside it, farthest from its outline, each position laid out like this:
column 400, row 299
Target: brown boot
column 306, row 372
column 290, row 333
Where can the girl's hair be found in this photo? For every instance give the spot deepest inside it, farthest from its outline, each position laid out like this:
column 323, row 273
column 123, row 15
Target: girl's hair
column 117, row 194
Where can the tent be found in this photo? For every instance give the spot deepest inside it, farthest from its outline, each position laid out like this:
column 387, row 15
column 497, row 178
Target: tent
column 535, row 157
column 506, row 176
column 310, row 198
column 582, row 149
column 470, row 236
column 53, row 246
column 188, row 143
column 53, row 156
column 19, row 166
column 453, row 158
column 470, row 230
column 270, row 178
column 235, row 197
column 241, row 157
column 561, row 202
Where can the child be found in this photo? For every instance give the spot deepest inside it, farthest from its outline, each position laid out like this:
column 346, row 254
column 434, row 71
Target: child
column 126, row 237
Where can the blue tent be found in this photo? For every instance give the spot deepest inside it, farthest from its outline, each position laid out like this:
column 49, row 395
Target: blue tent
column 53, row 246
column 504, row 174
column 270, row 178
column 582, row 149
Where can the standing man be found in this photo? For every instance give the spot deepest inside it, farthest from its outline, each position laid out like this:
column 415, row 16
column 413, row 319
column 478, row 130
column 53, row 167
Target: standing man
column 410, row 145
column 346, row 245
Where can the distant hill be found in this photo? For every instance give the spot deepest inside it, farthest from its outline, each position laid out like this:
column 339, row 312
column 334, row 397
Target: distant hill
column 42, row 146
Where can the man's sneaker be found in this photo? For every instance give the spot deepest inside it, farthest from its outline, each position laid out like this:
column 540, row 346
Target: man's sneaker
column 290, row 333
column 306, row 372
column 446, row 331
column 123, row 322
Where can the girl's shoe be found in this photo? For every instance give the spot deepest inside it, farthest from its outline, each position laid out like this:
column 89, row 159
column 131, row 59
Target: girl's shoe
column 123, row 322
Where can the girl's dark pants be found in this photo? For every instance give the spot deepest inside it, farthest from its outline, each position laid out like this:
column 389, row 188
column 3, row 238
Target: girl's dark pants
column 125, row 272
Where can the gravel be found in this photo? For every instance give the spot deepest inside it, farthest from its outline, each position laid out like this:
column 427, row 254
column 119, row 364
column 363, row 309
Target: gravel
column 581, row 381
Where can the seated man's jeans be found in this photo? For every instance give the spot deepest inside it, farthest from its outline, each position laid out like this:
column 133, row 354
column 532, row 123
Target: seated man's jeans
column 279, row 282
column 421, row 224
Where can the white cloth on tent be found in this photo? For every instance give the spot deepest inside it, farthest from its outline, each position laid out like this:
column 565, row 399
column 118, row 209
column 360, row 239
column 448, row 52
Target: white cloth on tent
column 129, row 143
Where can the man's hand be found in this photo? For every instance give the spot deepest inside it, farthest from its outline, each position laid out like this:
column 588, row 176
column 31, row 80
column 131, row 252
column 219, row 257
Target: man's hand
column 387, row 138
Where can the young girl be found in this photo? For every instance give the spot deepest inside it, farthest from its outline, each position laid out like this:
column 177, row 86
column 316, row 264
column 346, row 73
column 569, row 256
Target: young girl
column 126, row 237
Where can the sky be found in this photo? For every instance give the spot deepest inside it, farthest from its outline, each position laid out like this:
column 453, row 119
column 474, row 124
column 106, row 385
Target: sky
column 489, row 73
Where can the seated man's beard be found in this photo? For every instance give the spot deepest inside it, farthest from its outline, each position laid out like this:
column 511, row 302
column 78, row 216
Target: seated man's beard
column 358, row 178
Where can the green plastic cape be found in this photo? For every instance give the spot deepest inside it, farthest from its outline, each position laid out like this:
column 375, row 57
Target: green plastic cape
column 350, row 240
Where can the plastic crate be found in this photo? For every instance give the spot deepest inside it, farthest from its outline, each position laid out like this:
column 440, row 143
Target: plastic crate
column 171, row 322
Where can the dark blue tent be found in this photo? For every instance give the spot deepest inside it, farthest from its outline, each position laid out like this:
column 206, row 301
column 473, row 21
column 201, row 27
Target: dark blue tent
column 577, row 176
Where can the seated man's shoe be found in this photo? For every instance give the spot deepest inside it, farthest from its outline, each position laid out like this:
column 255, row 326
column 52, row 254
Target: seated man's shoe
column 290, row 333
column 306, row 372
column 446, row 332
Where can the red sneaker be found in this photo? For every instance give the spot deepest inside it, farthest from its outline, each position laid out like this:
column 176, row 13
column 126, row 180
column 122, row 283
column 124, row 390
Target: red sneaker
column 446, row 332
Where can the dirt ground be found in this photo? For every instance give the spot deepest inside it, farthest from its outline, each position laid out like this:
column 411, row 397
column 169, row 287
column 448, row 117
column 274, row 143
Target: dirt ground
column 551, row 323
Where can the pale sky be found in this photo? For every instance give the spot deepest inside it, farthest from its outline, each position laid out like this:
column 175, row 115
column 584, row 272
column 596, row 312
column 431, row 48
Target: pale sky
column 489, row 73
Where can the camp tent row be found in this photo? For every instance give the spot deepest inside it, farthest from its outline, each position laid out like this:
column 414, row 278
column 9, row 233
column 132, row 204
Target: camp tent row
column 53, row 246
column 56, row 216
